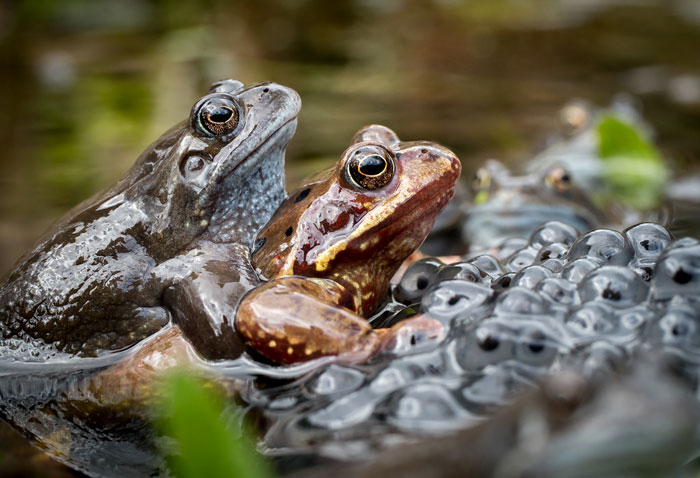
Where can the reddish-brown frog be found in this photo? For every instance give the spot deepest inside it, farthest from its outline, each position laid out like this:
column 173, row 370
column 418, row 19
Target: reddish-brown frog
column 332, row 247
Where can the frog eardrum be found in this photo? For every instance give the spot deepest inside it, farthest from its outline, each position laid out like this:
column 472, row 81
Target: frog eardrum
column 370, row 167
column 216, row 115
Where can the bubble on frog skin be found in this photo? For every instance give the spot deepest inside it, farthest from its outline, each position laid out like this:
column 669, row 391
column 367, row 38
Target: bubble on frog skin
column 575, row 271
column 427, row 407
column 530, row 276
column 555, row 250
column 416, row 280
column 553, row 232
column 604, row 246
column 447, row 299
column 489, row 265
column 335, row 379
column 648, row 240
column 558, row 291
column 521, row 301
column 677, row 271
column 510, row 245
column 465, row 271
column 520, row 259
column 615, row 285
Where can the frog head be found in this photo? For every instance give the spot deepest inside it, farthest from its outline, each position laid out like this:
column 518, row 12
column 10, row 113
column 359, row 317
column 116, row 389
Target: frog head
column 219, row 174
column 356, row 222
column 505, row 205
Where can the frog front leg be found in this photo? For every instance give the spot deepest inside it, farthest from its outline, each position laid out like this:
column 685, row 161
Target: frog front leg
column 207, row 284
column 295, row 319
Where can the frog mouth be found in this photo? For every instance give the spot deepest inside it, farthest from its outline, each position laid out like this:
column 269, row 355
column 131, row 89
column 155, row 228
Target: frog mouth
column 419, row 213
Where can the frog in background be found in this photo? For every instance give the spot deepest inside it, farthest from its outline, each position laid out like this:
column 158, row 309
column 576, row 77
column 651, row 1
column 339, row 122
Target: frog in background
column 601, row 169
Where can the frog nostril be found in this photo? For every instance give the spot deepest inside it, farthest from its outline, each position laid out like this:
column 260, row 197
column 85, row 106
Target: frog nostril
column 302, row 195
column 266, row 90
column 288, row 232
column 424, row 151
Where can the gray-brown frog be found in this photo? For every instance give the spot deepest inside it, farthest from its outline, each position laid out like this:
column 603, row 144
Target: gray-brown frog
column 167, row 244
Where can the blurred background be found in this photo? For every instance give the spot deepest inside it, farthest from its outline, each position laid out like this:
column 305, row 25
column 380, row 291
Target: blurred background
column 86, row 85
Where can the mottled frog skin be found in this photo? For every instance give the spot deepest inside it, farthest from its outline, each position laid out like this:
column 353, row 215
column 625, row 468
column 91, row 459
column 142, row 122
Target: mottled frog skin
column 167, row 244
column 332, row 247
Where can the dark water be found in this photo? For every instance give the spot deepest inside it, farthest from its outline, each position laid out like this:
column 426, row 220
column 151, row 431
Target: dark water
column 86, row 85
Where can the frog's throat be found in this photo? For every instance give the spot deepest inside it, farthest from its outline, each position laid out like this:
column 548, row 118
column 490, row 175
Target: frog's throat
column 252, row 155
column 246, row 200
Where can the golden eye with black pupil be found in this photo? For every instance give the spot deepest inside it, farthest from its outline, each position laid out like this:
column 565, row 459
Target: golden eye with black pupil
column 370, row 168
column 482, row 180
column 217, row 115
column 559, row 179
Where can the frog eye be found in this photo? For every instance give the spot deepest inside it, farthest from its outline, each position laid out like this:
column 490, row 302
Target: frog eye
column 482, row 180
column 559, row 179
column 216, row 115
column 370, row 167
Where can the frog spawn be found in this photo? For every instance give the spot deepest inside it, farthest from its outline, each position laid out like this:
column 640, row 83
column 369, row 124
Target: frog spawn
column 587, row 302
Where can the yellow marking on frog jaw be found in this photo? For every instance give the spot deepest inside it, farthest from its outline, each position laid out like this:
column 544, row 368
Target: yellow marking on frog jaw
column 308, row 351
column 272, row 344
column 261, row 334
column 374, row 217
column 203, row 223
column 290, row 351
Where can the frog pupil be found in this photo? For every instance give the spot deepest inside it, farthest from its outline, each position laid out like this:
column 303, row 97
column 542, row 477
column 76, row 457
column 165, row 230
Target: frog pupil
column 220, row 115
column 372, row 165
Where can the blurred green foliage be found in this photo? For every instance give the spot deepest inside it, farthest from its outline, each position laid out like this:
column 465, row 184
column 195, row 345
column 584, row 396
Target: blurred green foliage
column 207, row 442
column 635, row 172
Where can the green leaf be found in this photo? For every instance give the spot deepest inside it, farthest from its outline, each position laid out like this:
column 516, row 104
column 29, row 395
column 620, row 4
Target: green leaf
column 635, row 172
column 195, row 418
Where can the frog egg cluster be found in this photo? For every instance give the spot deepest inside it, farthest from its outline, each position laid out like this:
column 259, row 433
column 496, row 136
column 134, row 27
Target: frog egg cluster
column 559, row 300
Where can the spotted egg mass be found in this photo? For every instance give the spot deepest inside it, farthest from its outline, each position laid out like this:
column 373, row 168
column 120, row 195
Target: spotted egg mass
column 593, row 302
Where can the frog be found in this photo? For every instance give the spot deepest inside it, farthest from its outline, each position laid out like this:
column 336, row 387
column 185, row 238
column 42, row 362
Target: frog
column 505, row 206
column 168, row 244
column 330, row 250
